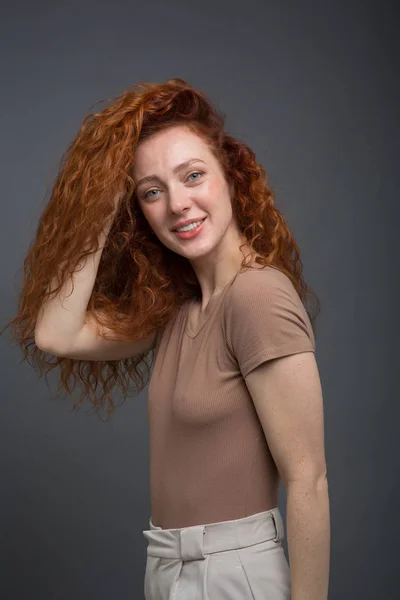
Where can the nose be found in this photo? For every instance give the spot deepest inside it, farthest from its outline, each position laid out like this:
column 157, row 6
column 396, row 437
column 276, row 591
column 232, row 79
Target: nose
column 179, row 201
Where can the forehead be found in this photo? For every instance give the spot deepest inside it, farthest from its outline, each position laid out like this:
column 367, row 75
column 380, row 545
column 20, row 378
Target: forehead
column 168, row 148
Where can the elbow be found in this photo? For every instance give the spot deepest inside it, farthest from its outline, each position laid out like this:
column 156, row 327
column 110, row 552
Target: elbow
column 48, row 346
column 319, row 483
column 312, row 479
column 40, row 342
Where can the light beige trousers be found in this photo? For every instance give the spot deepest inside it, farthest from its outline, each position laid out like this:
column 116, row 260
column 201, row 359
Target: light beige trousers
column 241, row 559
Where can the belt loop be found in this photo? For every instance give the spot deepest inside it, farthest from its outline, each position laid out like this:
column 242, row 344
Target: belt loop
column 278, row 522
column 192, row 542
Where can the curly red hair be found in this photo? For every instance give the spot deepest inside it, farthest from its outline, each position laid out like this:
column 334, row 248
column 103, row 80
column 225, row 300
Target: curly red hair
column 140, row 282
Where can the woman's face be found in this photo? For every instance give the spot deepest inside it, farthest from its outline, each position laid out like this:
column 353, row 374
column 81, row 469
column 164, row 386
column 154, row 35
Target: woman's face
column 194, row 191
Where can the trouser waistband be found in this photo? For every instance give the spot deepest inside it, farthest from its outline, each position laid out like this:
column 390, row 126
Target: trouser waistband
column 195, row 542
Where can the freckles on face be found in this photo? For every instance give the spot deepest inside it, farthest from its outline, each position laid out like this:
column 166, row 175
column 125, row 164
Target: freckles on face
column 160, row 155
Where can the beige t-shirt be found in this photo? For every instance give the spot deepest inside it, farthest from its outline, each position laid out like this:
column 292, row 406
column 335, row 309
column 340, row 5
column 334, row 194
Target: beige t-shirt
column 209, row 459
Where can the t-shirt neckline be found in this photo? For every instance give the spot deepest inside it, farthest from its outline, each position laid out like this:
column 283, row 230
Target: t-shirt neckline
column 209, row 311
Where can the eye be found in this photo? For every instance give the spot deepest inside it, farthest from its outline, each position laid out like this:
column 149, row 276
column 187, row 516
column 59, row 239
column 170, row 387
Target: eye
column 149, row 192
column 190, row 175
column 196, row 173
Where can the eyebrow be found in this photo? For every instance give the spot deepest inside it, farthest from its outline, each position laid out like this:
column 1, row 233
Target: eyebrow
column 176, row 169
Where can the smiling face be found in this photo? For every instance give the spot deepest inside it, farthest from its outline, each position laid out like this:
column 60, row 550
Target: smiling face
column 192, row 191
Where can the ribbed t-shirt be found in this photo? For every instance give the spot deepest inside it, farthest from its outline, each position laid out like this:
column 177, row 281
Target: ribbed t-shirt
column 209, row 458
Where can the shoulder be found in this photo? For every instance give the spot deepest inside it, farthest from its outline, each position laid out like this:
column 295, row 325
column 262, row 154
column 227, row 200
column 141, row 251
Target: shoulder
column 265, row 318
column 266, row 298
column 261, row 283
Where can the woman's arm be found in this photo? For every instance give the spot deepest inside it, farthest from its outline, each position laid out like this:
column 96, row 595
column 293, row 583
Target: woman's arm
column 63, row 316
column 308, row 535
column 287, row 395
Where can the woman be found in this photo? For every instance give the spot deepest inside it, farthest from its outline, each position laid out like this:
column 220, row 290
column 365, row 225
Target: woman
column 234, row 401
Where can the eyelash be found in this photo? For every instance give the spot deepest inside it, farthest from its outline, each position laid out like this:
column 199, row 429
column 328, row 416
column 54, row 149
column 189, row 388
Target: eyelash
column 190, row 174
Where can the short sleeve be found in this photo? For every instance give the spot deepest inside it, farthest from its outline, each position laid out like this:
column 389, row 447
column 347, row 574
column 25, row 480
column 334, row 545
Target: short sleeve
column 265, row 319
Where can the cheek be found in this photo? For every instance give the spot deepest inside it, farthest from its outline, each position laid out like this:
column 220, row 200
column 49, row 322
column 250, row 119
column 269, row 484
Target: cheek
column 213, row 194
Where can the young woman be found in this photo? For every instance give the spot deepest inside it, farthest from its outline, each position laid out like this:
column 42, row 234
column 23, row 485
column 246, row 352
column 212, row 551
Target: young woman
column 161, row 235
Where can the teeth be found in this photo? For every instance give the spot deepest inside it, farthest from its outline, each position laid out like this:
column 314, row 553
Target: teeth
column 189, row 227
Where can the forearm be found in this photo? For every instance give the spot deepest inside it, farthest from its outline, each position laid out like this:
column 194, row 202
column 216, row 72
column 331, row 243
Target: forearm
column 308, row 537
column 62, row 316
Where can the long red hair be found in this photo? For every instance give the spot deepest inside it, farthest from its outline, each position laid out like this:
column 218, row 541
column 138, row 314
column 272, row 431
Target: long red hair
column 140, row 282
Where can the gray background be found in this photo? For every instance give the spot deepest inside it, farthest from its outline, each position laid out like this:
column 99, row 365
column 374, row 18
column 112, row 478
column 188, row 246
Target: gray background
column 312, row 88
